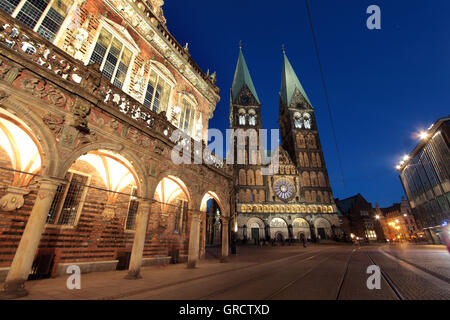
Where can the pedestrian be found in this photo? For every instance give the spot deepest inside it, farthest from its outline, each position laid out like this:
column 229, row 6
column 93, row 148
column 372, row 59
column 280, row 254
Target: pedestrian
column 304, row 242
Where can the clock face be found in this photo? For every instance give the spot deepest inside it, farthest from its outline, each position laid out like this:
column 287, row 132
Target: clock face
column 284, row 189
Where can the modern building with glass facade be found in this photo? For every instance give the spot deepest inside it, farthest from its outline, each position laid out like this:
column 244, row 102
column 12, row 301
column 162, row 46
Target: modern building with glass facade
column 425, row 176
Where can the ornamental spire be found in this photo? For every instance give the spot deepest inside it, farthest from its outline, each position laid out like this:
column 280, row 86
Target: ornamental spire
column 242, row 77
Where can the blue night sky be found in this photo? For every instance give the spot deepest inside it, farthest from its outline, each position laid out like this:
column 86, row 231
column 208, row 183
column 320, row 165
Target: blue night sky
column 384, row 85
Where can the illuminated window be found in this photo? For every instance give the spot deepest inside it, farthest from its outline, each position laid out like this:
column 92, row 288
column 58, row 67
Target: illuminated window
column 241, row 117
column 132, row 210
column 157, row 93
column 371, row 234
column 187, row 117
column 43, row 16
column 252, row 117
column 68, row 200
column 113, row 57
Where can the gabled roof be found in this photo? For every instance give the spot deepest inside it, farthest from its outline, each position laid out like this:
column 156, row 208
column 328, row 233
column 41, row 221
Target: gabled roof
column 346, row 204
column 289, row 82
column 241, row 77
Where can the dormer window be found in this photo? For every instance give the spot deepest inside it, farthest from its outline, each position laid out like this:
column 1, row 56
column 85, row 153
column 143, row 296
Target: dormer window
column 42, row 16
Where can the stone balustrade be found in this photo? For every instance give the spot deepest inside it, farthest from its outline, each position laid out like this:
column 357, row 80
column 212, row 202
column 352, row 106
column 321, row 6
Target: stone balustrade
column 31, row 46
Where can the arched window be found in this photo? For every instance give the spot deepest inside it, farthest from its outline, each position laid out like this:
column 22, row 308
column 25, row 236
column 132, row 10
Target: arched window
column 314, row 181
column 250, row 178
column 307, row 196
column 248, row 195
column 311, row 141
column 259, row 178
column 252, row 117
column 313, row 160
column 320, row 196
column 322, row 181
column 307, row 120
column 242, row 177
column 319, row 161
column 313, row 196
column 305, row 178
column 301, row 160
column 306, row 158
column 298, row 121
column 262, row 196
column 301, row 141
column 242, row 117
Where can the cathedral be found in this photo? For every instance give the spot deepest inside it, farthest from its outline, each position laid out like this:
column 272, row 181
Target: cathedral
column 296, row 201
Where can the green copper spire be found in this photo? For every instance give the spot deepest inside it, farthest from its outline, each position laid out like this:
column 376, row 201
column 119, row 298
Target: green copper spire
column 289, row 81
column 241, row 77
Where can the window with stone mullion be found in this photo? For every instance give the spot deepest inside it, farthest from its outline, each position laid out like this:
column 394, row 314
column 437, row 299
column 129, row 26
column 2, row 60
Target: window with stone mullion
column 8, row 6
column 31, row 12
column 132, row 211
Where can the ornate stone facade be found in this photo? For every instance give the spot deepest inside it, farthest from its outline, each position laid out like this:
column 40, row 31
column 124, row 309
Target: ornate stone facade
column 99, row 145
column 296, row 200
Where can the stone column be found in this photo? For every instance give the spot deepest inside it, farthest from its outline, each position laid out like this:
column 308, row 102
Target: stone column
column 139, row 240
column 194, row 239
column 14, row 286
column 202, row 239
column 225, row 247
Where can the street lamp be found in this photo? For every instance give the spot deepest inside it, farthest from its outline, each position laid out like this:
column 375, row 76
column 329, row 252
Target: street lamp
column 423, row 135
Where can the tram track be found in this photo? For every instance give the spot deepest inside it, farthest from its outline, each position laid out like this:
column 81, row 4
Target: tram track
column 259, row 276
column 387, row 278
column 344, row 276
column 310, row 270
column 147, row 290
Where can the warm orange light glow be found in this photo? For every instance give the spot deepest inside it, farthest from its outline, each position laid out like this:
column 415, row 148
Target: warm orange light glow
column 169, row 188
column 206, row 197
column 114, row 171
column 21, row 149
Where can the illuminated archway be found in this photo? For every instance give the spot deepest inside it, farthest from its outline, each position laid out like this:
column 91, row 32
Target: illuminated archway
column 25, row 154
column 172, row 201
column 323, row 228
column 23, row 150
column 256, row 229
column 278, row 226
column 301, row 226
column 169, row 188
column 116, row 173
column 210, row 195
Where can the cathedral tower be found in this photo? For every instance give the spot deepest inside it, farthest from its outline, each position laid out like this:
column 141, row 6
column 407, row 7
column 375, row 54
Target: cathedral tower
column 245, row 114
column 300, row 137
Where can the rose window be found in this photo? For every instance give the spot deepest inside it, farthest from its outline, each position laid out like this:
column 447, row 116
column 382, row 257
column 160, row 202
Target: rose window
column 284, row 189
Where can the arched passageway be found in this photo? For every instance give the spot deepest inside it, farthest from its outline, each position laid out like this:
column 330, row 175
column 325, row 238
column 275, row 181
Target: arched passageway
column 279, row 229
column 214, row 226
column 323, row 229
column 301, row 230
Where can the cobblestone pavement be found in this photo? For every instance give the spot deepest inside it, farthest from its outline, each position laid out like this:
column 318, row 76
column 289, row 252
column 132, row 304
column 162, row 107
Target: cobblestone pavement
column 431, row 258
column 280, row 273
